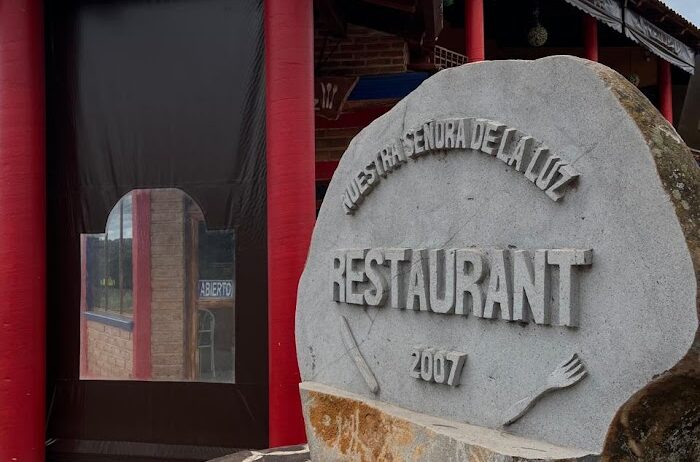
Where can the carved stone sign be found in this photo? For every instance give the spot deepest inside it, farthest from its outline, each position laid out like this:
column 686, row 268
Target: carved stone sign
column 501, row 249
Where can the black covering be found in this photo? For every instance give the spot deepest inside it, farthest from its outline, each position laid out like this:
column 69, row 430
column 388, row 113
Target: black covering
column 149, row 94
column 609, row 12
column 689, row 124
column 613, row 14
column 659, row 42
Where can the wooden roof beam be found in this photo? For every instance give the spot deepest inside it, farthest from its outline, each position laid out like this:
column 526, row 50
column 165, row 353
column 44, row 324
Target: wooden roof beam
column 406, row 7
column 331, row 16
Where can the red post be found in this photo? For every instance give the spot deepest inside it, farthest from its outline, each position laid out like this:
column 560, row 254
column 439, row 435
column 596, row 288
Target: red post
column 141, row 258
column 22, row 231
column 291, row 208
column 665, row 90
column 474, row 30
column 590, row 37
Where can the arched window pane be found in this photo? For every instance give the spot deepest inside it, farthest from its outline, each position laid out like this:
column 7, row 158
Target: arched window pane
column 159, row 292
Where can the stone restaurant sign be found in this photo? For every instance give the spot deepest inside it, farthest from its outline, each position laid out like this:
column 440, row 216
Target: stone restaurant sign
column 503, row 265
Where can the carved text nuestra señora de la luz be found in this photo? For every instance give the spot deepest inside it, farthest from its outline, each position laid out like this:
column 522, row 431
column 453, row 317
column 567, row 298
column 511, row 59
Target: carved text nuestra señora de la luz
column 524, row 153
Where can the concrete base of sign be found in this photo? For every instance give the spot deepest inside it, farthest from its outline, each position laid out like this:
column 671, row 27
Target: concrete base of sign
column 343, row 426
column 298, row 453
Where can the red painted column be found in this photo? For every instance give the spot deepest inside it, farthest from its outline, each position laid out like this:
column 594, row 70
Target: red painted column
column 141, row 276
column 590, row 37
column 289, row 57
column 22, row 232
column 665, row 90
column 474, row 30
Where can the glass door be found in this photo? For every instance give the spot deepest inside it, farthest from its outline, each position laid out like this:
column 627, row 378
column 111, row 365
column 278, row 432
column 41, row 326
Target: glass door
column 212, row 289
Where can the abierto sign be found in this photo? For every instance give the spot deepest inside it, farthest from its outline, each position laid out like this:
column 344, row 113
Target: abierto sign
column 214, row 289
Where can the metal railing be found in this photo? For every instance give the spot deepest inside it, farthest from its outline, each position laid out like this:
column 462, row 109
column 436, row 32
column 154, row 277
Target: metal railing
column 445, row 58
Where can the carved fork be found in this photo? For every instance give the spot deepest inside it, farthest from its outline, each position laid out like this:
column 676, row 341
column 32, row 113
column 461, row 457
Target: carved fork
column 565, row 375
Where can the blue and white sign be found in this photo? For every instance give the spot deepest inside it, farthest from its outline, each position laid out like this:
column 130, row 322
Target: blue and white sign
column 213, row 289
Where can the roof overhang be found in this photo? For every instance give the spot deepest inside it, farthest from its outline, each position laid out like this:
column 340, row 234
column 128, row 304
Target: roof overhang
column 639, row 29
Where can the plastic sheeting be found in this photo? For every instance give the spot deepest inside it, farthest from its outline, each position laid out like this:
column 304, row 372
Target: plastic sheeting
column 156, row 94
column 689, row 124
column 609, row 12
column 634, row 26
column 659, row 42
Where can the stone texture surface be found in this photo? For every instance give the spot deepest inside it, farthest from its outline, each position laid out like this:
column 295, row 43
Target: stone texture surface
column 635, row 205
column 662, row 420
column 346, row 427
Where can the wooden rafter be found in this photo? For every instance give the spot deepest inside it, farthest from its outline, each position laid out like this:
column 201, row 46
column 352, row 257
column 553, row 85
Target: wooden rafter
column 331, row 16
column 406, row 6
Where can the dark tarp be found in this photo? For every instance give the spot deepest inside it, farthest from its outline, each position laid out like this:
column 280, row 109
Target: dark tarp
column 609, row 12
column 151, row 94
column 659, row 42
column 640, row 30
column 689, row 124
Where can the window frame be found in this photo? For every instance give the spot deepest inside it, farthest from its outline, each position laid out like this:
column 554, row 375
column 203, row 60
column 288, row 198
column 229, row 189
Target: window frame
column 123, row 312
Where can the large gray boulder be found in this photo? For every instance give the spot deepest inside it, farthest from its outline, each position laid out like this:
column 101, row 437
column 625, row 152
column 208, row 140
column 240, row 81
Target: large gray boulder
column 511, row 247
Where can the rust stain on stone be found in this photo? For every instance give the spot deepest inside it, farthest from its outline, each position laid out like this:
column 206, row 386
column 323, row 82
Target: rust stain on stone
column 479, row 454
column 662, row 420
column 357, row 430
column 418, row 453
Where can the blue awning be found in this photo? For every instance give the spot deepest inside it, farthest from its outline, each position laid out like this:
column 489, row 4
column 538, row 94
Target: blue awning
column 387, row 86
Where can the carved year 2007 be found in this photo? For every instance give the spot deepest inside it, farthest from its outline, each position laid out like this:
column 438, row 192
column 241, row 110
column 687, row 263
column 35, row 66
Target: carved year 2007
column 437, row 366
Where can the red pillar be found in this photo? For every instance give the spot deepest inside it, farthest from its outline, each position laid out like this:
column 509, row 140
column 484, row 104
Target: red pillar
column 22, row 231
column 665, row 90
column 289, row 57
column 474, row 29
column 590, row 37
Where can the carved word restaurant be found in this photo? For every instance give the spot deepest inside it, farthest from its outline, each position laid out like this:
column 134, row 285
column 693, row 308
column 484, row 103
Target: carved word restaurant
column 161, row 169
